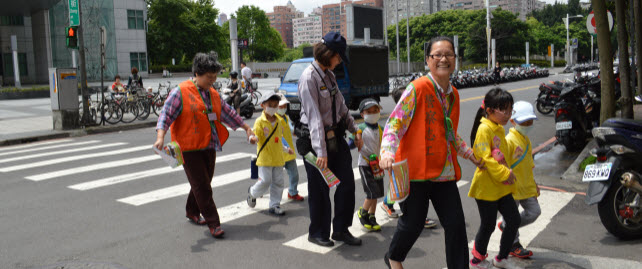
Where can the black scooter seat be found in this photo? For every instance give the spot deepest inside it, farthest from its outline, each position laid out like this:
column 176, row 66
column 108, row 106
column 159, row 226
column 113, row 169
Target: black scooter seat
column 628, row 124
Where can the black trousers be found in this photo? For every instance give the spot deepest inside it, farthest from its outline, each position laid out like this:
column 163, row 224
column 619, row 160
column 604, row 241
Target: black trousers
column 199, row 168
column 488, row 214
column 340, row 163
column 447, row 203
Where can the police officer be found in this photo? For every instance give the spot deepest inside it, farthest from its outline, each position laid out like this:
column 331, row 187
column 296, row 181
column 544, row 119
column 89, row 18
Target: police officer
column 324, row 121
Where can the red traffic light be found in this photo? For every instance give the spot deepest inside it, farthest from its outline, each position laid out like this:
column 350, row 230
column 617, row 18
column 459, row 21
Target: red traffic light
column 71, row 32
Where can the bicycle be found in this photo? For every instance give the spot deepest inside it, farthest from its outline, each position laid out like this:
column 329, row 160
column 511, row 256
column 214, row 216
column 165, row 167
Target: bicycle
column 252, row 90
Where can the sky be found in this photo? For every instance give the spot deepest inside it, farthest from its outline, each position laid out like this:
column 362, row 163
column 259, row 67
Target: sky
column 230, row 6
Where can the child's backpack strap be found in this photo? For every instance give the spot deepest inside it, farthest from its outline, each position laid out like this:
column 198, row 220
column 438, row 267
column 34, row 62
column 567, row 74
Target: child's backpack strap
column 521, row 158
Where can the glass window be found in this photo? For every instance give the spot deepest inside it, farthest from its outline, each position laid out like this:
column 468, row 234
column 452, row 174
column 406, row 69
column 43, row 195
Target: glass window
column 12, row 20
column 138, row 60
column 8, row 64
column 135, row 19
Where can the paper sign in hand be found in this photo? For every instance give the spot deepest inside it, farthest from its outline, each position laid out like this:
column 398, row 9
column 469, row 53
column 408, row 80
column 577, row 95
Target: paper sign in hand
column 327, row 175
column 171, row 154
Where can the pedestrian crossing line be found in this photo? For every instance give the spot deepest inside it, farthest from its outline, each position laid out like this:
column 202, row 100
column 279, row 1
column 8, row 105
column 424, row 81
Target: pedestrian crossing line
column 551, row 202
column 183, row 189
column 50, row 147
column 241, row 209
column 356, row 229
column 31, row 145
column 94, row 167
column 74, row 158
column 147, row 173
column 61, row 152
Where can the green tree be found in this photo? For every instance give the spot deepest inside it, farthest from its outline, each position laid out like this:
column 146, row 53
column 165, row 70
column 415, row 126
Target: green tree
column 265, row 42
column 181, row 28
column 293, row 53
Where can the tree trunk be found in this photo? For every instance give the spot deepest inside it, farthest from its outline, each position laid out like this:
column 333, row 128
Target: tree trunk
column 638, row 38
column 625, row 69
column 606, row 64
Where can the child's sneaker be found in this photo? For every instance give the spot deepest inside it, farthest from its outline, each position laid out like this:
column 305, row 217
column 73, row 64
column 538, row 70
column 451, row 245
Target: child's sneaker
column 389, row 210
column 520, row 252
column 251, row 201
column 296, row 197
column 373, row 222
column 277, row 211
column 364, row 219
column 483, row 264
column 504, row 263
column 430, row 224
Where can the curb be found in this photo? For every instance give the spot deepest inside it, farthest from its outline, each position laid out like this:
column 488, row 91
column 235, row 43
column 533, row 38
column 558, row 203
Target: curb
column 572, row 173
column 78, row 132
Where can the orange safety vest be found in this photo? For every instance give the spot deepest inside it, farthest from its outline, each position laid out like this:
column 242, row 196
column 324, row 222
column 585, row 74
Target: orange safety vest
column 192, row 130
column 424, row 144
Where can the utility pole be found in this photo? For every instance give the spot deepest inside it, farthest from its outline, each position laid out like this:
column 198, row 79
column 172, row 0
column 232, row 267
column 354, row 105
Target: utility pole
column 488, row 30
column 397, row 26
column 408, row 32
column 83, row 69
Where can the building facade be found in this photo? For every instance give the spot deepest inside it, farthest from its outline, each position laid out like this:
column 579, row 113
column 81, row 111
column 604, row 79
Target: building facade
column 281, row 20
column 334, row 15
column 222, row 18
column 307, row 30
column 417, row 8
column 40, row 32
column 521, row 7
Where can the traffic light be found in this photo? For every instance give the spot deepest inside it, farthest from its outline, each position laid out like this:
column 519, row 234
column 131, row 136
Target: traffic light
column 72, row 37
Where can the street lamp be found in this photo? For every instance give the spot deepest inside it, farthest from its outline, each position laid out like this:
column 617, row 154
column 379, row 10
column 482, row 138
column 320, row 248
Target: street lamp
column 568, row 46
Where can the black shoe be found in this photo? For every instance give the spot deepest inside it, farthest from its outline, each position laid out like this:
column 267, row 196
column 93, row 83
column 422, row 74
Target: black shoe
column 321, row 241
column 347, row 238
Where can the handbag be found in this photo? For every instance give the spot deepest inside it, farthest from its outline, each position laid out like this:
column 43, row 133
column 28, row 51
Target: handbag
column 254, row 170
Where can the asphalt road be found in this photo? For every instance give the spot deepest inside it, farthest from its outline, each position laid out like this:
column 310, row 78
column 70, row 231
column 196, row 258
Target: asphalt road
column 106, row 201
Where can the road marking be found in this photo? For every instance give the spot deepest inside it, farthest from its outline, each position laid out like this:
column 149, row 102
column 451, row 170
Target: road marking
column 74, row 158
column 36, row 144
column 482, row 97
column 50, row 147
column 148, row 173
column 551, row 203
column 183, row 189
column 60, row 152
column 105, row 165
column 356, row 229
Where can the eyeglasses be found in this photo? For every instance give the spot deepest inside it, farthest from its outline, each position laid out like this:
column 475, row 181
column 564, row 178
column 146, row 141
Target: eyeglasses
column 507, row 112
column 440, row 56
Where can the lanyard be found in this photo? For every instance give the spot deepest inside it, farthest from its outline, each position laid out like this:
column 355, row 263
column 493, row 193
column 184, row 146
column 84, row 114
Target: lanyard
column 448, row 123
column 333, row 92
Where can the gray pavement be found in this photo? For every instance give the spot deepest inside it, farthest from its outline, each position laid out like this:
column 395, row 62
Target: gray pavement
column 104, row 201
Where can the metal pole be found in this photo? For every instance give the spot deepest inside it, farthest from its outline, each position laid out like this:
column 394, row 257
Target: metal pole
column 568, row 57
column 234, row 44
column 494, row 51
column 103, row 40
column 552, row 55
column 456, row 40
column 397, row 26
column 73, row 59
column 16, row 65
column 591, row 48
column 408, row 33
column 527, row 53
column 488, row 34
column 83, row 67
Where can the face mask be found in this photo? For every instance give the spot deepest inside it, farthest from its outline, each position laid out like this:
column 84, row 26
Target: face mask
column 281, row 111
column 371, row 118
column 270, row 110
column 523, row 129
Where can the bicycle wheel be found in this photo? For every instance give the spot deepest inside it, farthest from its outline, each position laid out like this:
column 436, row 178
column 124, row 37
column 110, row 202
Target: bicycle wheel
column 256, row 96
column 144, row 108
column 130, row 112
column 158, row 104
column 113, row 113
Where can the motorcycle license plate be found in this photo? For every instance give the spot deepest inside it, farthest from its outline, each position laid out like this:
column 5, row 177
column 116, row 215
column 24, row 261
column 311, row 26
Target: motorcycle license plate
column 564, row 125
column 597, row 172
column 295, row 106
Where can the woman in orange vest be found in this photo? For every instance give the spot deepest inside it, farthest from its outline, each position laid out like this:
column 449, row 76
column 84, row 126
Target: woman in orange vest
column 422, row 129
column 194, row 111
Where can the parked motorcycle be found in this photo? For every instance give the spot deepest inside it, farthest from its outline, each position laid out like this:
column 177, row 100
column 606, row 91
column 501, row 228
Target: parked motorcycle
column 246, row 106
column 615, row 180
column 548, row 96
column 576, row 113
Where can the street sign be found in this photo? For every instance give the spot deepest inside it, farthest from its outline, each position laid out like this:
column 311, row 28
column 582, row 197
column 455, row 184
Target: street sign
column 590, row 22
column 74, row 16
column 574, row 43
column 243, row 43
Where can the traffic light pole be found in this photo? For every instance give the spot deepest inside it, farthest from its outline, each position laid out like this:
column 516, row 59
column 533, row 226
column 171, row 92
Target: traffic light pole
column 83, row 70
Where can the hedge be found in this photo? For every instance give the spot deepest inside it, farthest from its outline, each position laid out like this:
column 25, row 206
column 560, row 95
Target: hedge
column 14, row 89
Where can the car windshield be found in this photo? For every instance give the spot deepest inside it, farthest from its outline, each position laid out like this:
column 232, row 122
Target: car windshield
column 294, row 73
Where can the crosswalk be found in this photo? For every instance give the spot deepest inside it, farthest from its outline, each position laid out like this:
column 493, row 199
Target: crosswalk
column 57, row 160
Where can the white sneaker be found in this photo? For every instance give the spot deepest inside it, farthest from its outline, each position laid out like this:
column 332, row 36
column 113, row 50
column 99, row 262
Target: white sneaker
column 277, row 211
column 505, row 263
column 484, row 264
